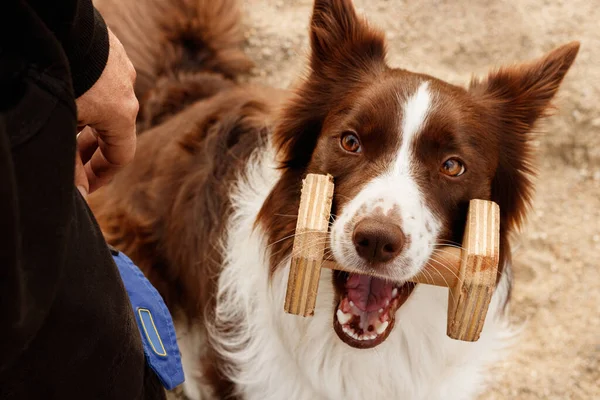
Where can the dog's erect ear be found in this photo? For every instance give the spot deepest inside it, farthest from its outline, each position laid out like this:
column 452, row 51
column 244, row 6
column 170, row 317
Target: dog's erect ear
column 523, row 92
column 346, row 56
column 341, row 41
column 516, row 98
column 345, row 52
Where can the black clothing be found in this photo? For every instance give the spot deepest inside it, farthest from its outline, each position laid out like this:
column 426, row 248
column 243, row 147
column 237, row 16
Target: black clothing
column 67, row 330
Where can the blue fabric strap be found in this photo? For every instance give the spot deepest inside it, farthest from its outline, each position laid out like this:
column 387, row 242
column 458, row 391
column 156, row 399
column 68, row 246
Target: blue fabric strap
column 154, row 322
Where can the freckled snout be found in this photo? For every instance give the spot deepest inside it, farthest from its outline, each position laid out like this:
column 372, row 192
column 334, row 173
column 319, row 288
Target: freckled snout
column 378, row 240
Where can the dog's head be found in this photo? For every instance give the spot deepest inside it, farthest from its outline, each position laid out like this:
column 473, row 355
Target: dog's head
column 407, row 152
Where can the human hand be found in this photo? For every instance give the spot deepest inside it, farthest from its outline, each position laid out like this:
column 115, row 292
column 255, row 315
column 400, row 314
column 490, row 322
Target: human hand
column 107, row 114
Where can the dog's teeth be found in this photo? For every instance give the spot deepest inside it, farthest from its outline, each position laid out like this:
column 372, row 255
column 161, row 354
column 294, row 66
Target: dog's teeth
column 342, row 317
column 387, row 303
column 381, row 327
column 394, row 292
column 351, row 303
column 348, row 331
column 380, row 310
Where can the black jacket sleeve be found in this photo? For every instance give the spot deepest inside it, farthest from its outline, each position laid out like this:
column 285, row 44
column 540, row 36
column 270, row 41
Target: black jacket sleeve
column 67, row 330
column 75, row 24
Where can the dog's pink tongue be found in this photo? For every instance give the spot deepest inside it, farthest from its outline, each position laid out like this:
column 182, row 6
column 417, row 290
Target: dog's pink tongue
column 368, row 293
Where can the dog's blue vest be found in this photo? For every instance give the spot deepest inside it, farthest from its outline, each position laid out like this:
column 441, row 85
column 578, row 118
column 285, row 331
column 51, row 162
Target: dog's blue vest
column 154, row 322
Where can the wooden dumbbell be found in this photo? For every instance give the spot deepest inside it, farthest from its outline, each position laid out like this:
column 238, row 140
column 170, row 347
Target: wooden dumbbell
column 470, row 274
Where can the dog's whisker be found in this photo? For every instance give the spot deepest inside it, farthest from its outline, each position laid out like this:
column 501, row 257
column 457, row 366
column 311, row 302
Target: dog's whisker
column 343, row 196
column 287, row 237
column 443, row 252
column 287, row 215
column 444, row 264
column 440, row 246
column 449, row 270
column 428, row 275
column 441, row 275
column 449, row 244
column 314, row 242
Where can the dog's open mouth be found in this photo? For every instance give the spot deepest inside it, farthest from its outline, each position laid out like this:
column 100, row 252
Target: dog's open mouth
column 366, row 313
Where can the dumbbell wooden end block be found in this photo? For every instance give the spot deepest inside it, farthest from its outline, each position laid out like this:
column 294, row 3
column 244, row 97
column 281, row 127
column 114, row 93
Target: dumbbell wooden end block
column 309, row 244
column 469, row 298
column 470, row 274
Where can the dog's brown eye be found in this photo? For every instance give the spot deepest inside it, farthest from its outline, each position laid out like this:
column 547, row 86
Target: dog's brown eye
column 350, row 142
column 453, row 167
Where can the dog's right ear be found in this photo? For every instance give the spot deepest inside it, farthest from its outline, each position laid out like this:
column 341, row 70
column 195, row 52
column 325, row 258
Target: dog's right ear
column 344, row 51
column 341, row 42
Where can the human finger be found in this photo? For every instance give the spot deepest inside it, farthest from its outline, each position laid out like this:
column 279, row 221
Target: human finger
column 87, row 143
column 81, row 180
column 109, row 158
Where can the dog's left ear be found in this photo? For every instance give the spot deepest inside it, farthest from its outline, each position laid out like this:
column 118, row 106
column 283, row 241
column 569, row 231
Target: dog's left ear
column 515, row 98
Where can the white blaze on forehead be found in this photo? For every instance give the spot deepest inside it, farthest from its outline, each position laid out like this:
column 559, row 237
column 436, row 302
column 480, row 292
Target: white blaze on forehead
column 414, row 114
column 395, row 189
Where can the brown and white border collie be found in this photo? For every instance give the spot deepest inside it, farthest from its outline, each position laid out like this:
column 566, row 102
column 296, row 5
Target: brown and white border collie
column 208, row 208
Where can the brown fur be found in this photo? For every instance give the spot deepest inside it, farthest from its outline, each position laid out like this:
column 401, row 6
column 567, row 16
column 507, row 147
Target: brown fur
column 167, row 211
column 169, row 208
column 183, row 50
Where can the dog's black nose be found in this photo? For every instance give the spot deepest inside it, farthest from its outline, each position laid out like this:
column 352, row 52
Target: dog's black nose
column 377, row 240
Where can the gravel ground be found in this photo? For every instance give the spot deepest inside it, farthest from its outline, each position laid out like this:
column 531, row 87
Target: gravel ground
column 556, row 296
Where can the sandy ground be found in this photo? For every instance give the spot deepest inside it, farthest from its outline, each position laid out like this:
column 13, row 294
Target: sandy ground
column 557, row 290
